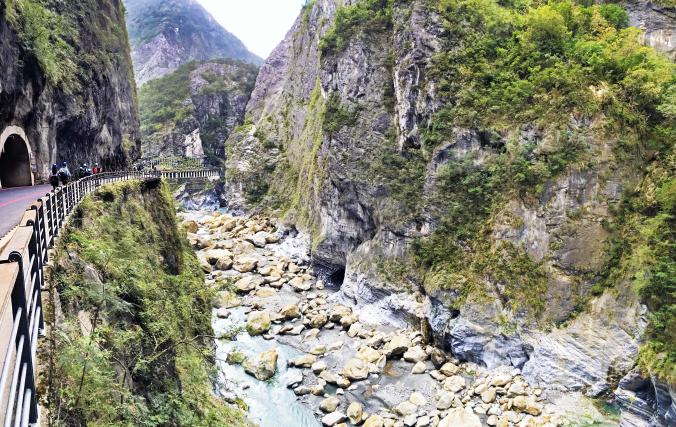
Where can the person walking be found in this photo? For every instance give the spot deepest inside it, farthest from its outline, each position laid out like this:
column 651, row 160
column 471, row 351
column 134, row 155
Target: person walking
column 64, row 174
column 54, row 177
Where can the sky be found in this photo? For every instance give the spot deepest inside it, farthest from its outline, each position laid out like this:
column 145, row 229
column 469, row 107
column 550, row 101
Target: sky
column 260, row 24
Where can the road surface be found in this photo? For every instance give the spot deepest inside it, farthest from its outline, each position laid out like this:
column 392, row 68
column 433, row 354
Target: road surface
column 14, row 201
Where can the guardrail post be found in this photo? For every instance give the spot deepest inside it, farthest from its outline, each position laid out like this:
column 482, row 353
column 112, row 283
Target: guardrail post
column 39, row 228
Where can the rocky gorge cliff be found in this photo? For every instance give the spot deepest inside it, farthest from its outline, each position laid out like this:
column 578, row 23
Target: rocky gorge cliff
column 167, row 34
column 67, row 81
column 501, row 173
column 129, row 318
column 191, row 111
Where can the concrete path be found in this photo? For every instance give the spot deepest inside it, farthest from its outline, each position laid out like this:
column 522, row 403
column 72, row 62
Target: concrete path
column 14, row 201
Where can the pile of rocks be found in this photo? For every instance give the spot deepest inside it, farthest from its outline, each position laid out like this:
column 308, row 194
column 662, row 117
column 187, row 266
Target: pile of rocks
column 285, row 301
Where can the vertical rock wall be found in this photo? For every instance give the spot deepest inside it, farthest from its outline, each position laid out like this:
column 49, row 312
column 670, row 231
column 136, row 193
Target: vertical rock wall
column 95, row 118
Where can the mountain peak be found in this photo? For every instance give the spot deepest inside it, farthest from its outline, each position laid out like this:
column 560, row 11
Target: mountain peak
column 164, row 34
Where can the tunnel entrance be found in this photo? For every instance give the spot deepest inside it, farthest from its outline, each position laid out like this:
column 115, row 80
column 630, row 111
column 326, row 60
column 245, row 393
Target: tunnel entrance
column 15, row 160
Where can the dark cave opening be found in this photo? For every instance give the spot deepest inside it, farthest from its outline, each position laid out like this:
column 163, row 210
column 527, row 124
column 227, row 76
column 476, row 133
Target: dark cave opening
column 333, row 276
column 336, row 278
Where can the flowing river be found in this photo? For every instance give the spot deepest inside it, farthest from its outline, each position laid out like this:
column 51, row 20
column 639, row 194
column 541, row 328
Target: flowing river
column 271, row 403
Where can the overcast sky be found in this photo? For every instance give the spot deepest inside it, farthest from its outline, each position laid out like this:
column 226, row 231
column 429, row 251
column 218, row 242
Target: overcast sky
column 260, row 24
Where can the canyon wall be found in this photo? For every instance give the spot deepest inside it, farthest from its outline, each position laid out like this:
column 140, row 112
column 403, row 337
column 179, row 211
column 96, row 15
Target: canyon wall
column 466, row 164
column 68, row 82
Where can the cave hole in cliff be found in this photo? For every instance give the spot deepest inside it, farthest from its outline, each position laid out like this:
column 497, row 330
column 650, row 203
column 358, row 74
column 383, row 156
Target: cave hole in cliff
column 336, row 278
column 15, row 168
column 332, row 275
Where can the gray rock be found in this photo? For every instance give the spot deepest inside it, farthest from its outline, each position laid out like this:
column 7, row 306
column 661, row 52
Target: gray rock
column 330, row 404
column 333, row 418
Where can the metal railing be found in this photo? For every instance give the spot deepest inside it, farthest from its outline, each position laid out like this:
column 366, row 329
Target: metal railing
column 171, row 162
column 22, row 260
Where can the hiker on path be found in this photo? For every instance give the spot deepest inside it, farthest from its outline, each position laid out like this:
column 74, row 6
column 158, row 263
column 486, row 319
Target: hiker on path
column 64, row 174
column 54, row 177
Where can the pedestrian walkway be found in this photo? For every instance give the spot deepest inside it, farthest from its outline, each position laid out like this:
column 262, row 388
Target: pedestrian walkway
column 15, row 201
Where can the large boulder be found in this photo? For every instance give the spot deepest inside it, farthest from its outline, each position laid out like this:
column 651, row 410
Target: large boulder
column 459, row 417
column 304, row 361
column 444, row 399
column 242, row 248
column 213, row 255
column 527, row 404
column 449, row 369
column 368, row 354
column 265, row 367
column 419, row 368
column 290, row 312
column 259, row 239
column 224, row 264
column 299, row 284
column 454, row 383
column 356, row 369
column 333, row 418
column 338, row 312
column 318, row 320
column 319, row 367
column 200, row 242
column 248, row 283
column 204, row 264
column 406, row 408
column 397, row 346
column 245, row 264
column 229, row 224
column 355, row 412
column 227, row 300
column 374, row 421
column 258, row 322
column 330, row 404
column 415, row 354
column 267, row 293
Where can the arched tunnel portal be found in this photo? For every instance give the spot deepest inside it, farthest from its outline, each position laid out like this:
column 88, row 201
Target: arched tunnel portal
column 15, row 158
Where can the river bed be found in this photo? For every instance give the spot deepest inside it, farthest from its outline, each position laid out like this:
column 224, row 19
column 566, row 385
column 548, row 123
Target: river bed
column 350, row 366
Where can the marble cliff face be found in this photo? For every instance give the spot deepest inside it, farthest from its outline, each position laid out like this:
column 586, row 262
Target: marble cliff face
column 324, row 124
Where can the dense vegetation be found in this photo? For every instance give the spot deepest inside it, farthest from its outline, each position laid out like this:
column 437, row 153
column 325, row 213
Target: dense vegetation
column 543, row 63
column 370, row 16
column 74, row 42
column 163, row 102
column 135, row 345
column 554, row 65
column 166, row 101
column 645, row 254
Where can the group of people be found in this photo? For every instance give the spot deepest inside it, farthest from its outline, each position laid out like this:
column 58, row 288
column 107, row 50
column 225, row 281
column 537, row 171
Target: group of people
column 62, row 175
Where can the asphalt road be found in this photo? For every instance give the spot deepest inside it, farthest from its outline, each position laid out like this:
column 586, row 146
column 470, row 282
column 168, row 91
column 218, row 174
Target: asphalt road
column 14, row 201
